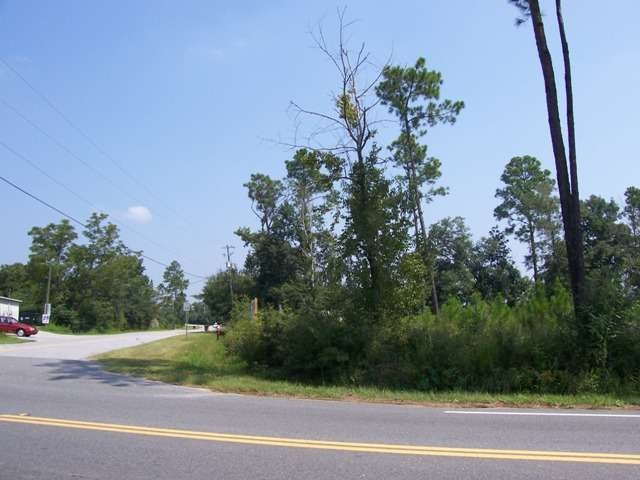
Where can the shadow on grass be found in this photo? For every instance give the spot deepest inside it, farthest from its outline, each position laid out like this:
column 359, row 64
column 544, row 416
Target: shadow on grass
column 177, row 372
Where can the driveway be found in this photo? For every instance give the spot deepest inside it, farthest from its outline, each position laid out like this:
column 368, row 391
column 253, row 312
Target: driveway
column 79, row 347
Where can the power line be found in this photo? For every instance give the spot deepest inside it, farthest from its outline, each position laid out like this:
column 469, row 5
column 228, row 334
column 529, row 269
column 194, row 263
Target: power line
column 90, row 140
column 73, row 219
column 80, row 197
column 69, row 152
column 82, row 224
column 43, row 172
column 229, row 252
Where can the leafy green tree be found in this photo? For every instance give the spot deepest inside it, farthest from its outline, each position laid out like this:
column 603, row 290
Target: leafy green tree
column 52, row 241
column 632, row 215
column 14, row 282
column 495, row 274
column 310, row 186
column 608, row 261
column 411, row 288
column 272, row 260
column 527, row 205
column 100, row 284
column 172, row 291
column 632, row 211
column 121, row 288
column 412, row 94
column 375, row 234
column 103, row 240
column 215, row 294
column 106, row 284
column 50, row 247
column 452, row 243
column 606, row 238
column 265, row 193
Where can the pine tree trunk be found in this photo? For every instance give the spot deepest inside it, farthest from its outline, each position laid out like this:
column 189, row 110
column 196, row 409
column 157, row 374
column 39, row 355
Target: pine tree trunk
column 417, row 206
column 567, row 186
column 578, row 247
column 534, row 253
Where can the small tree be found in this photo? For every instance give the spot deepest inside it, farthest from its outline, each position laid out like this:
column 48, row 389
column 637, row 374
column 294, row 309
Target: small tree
column 632, row 215
column 451, row 240
column 50, row 246
column 173, row 289
column 632, row 211
column 412, row 94
column 310, row 186
column 493, row 269
column 272, row 260
column 527, row 205
column 215, row 294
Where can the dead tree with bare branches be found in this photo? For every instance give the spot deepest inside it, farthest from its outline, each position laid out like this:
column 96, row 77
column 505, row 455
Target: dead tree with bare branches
column 374, row 231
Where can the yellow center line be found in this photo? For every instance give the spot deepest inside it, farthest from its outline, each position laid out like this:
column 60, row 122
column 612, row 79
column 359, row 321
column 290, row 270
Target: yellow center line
column 547, row 456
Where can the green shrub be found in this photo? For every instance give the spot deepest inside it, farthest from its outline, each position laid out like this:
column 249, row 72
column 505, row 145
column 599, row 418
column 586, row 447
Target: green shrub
column 297, row 345
column 480, row 345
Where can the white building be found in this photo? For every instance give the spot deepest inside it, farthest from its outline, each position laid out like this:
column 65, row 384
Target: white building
column 10, row 307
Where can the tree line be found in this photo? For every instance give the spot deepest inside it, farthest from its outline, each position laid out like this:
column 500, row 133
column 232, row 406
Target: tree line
column 459, row 314
column 99, row 284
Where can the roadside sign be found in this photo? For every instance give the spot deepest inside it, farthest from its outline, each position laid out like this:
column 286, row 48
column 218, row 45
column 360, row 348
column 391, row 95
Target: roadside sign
column 45, row 318
column 186, row 307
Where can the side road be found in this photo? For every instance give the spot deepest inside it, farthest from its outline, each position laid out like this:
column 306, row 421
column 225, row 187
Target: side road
column 79, row 347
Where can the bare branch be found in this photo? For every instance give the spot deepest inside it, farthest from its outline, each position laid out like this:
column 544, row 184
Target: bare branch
column 317, row 114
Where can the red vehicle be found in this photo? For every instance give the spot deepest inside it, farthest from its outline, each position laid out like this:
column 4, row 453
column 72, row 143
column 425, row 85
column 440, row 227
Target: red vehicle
column 11, row 325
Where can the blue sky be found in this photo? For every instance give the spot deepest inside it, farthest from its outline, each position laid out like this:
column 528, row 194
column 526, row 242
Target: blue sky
column 187, row 97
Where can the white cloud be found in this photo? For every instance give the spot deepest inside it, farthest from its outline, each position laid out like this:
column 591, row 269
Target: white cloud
column 138, row 214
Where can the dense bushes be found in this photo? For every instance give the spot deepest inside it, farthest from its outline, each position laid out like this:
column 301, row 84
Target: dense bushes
column 483, row 345
column 306, row 346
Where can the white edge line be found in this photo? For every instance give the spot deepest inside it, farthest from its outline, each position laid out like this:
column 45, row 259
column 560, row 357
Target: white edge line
column 544, row 414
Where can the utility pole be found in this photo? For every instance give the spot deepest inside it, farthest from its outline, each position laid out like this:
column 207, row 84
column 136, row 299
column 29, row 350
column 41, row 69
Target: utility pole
column 186, row 307
column 46, row 301
column 229, row 251
column 47, row 306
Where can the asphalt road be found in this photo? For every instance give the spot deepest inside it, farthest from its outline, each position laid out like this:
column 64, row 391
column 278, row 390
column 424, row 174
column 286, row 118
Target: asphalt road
column 67, row 419
column 78, row 347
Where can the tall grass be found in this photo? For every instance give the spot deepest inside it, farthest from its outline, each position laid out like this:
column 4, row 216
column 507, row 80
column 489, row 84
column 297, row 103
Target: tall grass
column 200, row 360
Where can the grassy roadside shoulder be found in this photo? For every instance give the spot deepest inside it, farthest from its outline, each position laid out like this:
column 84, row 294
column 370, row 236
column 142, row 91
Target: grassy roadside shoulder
column 200, row 360
column 65, row 330
column 5, row 339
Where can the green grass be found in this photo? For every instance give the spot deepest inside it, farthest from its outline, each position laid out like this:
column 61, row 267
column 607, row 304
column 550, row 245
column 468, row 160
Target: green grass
column 200, row 360
column 66, row 330
column 53, row 328
column 8, row 339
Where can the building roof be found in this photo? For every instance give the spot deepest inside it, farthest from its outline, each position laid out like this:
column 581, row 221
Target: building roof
column 10, row 299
